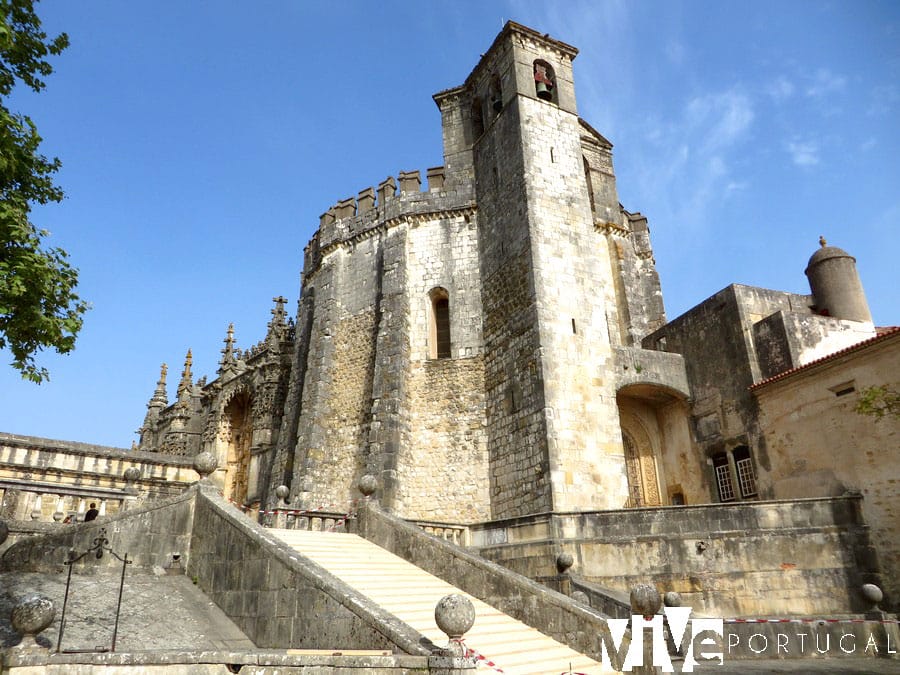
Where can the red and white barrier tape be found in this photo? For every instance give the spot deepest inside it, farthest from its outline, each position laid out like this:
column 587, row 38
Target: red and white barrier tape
column 480, row 659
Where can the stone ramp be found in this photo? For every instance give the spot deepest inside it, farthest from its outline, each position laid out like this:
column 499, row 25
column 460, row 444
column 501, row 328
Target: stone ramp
column 158, row 612
column 410, row 594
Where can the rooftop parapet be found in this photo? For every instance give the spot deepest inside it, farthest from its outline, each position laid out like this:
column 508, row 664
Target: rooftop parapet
column 354, row 216
column 346, row 208
column 326, row 218
column 410, row 182
column 435, row 177
column 365, row 201
column 387, row 189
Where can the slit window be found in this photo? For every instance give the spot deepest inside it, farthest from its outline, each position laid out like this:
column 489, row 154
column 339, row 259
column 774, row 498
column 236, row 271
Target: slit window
column 477, row 119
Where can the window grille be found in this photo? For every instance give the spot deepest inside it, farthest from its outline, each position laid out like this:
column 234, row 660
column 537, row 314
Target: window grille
column 746, row 479
column 724, row 483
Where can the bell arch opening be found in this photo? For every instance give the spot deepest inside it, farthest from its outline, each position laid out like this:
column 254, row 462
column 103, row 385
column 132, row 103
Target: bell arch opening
column 544, row 81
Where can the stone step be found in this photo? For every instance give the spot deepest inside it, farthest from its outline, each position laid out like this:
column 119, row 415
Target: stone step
column 410, row 594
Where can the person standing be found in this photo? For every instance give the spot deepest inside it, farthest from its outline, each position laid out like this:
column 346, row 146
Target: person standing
column 92, row 513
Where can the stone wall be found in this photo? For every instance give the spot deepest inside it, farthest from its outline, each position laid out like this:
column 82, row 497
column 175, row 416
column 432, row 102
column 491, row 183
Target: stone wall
column 68, row 476
column 553, row 432
column 782, row 558
column 715, row 341
column 442, row 440
column 445, row 444
column 149, row 534
column 786, row 340
column 819, row 445
column 276, row 596
column 553, row 614
column 363, row 355
column 219, row 663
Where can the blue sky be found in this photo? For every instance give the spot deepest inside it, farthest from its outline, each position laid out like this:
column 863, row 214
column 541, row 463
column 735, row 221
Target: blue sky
column 202, row 140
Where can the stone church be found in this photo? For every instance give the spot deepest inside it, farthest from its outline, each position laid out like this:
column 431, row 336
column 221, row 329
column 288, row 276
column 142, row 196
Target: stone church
column 493, row 347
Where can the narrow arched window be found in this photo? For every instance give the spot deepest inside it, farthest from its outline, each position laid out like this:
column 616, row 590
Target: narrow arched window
column 544, row 81
column 477, row 119
column 439, row 329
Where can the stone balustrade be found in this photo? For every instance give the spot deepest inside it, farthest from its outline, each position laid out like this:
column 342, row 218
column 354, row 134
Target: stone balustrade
column 455, row 534
column 318, row 521
column 46, row 502
column 43, row 480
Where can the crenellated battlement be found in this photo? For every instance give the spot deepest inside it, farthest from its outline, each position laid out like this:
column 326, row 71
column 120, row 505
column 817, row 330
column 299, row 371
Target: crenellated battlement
column 375, row 207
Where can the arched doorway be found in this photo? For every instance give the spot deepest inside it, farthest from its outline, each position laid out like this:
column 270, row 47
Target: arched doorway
column 239, row 437
column 641, row 470
column 655, row 436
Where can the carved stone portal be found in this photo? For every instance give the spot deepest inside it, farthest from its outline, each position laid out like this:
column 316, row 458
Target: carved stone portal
column 640, row 465
column 239, row 436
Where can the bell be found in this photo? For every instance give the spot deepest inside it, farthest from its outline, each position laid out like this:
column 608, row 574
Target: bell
column 497, row 104
column 543, row 91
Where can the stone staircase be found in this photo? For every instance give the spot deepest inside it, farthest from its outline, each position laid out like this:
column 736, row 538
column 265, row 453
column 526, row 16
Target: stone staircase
column 410, row 594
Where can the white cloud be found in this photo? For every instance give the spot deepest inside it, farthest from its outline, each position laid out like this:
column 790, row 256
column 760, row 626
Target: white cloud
column 781, row 89
column 868, row 144
column 825, row 82
column 803, row 153
column 719, row 119
column 688, row 161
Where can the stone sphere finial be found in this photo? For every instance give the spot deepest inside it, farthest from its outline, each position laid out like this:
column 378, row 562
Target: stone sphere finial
column 564, row 561
column 672, row 599
column 205, row 463
column 282, row 492
column 872, row 594
column 645, row 600
column 4, row 531
column 31, row 615
column 454, row 615
column 367, row 485
column 132, row 474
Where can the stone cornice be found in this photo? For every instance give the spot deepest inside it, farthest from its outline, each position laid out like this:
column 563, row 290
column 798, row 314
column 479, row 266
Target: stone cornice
column 411, row 219
column 611, row 229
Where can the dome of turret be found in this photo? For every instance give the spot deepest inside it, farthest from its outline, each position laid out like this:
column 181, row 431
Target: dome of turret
column 835, row 284
column 827, row 253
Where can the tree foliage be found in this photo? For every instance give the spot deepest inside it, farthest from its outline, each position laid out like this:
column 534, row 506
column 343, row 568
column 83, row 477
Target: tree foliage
column 879, row 402
column 39, row 308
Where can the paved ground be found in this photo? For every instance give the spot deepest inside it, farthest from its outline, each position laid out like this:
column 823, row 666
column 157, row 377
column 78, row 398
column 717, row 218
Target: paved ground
column 847, row 666
column 169, row 612
column 158, row 612
column 835, row 666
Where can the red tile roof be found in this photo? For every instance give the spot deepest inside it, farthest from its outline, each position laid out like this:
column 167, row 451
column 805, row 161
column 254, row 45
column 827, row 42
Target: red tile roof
column 881, row 334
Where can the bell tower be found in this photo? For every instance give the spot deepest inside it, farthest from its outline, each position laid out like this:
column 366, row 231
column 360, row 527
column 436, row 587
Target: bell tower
column 553, row 429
